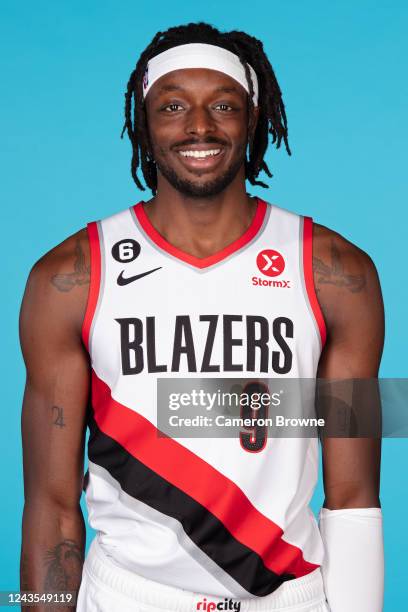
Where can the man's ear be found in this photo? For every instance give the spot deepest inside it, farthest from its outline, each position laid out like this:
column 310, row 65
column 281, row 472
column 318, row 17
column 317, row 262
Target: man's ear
column 252, row 123
column 149, row 147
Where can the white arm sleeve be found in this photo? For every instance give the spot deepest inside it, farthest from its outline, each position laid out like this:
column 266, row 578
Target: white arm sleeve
column 353, row 567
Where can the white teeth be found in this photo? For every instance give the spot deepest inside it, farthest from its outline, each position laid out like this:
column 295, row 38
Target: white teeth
column 199, row 154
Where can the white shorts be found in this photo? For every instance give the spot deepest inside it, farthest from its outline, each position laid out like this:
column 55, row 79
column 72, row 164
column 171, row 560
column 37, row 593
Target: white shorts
column 106, row 587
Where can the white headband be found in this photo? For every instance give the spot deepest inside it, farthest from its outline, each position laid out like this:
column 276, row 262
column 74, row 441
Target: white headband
column 198, row 55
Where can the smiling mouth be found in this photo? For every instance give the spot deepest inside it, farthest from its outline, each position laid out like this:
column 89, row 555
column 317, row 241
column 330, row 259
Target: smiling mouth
column 195, row 154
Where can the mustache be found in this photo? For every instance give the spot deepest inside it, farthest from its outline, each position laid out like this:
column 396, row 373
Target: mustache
column 196, row 141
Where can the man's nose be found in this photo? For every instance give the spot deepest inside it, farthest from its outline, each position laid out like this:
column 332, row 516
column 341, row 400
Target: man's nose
column 200, row 122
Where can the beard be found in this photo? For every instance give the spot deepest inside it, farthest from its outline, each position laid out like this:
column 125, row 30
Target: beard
column 201, row 189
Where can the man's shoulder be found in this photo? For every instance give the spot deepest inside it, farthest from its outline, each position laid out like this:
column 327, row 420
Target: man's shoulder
column 335, row 253
column 66, row 264
column 345, row 276
column 57, row 286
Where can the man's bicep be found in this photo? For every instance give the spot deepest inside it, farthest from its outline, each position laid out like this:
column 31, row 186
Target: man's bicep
column 355, row 315
column 351, row 466
column 57, row 388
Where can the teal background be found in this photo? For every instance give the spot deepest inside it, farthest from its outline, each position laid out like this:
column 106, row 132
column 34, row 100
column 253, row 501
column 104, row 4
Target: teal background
column 342, row 69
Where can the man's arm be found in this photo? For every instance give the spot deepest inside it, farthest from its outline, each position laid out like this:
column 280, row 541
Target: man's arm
column 53, row 418
column 349, row 293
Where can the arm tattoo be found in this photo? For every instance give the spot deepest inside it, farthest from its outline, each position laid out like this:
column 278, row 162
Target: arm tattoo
column 59, row 416
column 64, row 570
column 80, row 275
column 335, row 275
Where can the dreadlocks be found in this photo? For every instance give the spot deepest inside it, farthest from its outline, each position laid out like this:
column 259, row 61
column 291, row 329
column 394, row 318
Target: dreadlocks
column 272, row 116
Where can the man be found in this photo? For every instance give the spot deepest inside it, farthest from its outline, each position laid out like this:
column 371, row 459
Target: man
column 201, row 281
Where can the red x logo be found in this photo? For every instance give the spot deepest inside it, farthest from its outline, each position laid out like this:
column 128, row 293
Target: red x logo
column 270, row 262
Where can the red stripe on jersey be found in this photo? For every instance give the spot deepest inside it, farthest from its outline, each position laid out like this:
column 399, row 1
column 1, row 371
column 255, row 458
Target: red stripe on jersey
column 309, row 280
column 202, row 262
column 95, row 281
column 198, row 479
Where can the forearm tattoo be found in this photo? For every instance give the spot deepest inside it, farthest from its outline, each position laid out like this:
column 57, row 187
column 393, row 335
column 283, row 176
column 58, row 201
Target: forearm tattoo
column 63, row 572
column 64, row 567
column 334, row 274
column 80, row 275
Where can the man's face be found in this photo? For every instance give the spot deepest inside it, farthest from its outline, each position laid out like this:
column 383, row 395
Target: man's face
column 198, row 127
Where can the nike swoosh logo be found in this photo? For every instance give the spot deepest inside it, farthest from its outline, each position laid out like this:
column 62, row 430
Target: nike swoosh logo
column 125, row 281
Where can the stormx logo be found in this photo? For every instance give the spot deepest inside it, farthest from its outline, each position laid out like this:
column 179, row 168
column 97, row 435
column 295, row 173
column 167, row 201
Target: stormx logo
column 227, row 604
column 270, row 263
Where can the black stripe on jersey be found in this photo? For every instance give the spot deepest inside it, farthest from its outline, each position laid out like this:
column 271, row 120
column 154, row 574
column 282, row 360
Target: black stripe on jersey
column 205, row 530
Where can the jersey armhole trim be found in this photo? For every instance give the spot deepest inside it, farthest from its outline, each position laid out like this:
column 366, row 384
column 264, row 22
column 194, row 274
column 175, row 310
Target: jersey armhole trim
column 309, row 279
column 95, row 281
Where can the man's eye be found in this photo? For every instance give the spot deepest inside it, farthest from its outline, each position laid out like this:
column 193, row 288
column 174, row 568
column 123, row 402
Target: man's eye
column 171, row 108
column 224, row 107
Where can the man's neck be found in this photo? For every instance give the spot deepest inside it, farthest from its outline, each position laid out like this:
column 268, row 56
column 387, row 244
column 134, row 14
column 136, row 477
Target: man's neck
column 201, row 226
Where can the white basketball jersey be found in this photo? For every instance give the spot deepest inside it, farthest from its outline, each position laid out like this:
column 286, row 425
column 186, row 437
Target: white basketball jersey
column 210, row 515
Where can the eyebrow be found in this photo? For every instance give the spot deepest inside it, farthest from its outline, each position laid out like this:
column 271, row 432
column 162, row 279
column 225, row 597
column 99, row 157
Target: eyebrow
column 170, row 87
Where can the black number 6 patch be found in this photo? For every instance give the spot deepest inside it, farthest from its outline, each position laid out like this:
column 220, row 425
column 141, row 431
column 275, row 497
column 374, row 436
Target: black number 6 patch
column 126, row 250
